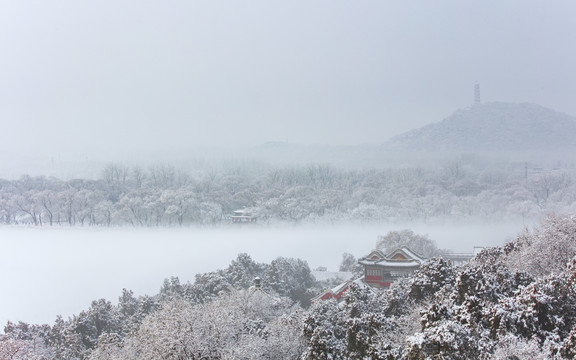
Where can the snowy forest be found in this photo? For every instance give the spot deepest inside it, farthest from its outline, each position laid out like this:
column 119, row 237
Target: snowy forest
column 165, row 195
column 517, row 301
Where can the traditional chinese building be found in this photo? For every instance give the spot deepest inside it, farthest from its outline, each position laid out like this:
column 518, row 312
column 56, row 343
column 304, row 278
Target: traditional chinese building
column 243, row 216
column 380, row 269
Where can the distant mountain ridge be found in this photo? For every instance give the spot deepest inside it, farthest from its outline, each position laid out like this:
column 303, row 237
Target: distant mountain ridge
column 495, row 126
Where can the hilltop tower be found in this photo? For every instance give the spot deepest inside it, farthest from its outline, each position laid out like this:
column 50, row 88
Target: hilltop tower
column 476, row 94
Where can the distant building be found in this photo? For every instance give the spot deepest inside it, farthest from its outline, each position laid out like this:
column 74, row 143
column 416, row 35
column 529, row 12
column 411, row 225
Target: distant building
column 380, row 270
column 243, row 216
column 459, row 259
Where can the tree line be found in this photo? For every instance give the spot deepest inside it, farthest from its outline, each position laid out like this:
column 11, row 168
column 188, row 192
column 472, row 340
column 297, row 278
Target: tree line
column 287, row 284
column 163, row 195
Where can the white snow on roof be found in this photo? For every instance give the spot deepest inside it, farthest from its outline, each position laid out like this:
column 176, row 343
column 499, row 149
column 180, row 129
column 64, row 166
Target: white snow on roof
column 412, row 254
column 413, row 260
column 396, row 263
column 337, row 289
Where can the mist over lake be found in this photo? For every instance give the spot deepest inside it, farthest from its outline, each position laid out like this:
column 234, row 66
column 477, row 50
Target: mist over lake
column 46, row 272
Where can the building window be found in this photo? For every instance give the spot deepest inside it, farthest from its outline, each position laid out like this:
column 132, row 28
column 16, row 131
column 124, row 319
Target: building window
column 373, row 272
column 399, row 274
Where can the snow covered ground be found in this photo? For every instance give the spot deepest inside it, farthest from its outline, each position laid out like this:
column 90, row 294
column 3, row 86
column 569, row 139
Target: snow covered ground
column 49, row 271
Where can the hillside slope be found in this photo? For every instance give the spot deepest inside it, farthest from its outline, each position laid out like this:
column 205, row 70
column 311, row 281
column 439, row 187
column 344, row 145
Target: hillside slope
column 493, row 126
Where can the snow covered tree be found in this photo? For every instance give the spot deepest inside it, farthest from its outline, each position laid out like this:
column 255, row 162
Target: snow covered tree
column 457, row 324
column 512, row 347
column 421, row 244
column 547, row 248
column 110, row 347
column 207, row 287
column 433, row 276
column 544, row 311
column 77, row 337
column 171, row 289
column 292, row 278
column 231, row 326
column 568, row 346
column 350, row 263
column 24, row 341
column 364, row 319
column 242, row 271
column 325, row 331
column 11, row 349
column 129, row 312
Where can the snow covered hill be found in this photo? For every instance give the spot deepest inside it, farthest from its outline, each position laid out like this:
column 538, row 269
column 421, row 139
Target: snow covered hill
column 495, row 126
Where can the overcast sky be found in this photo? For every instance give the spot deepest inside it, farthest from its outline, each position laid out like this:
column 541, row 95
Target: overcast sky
column 91, row 75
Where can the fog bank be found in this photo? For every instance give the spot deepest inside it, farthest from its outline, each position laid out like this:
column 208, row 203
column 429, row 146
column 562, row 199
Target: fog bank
column 46, row 272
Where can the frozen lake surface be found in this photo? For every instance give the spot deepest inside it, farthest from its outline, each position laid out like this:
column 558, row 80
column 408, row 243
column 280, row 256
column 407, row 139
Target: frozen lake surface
column 49, row 271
